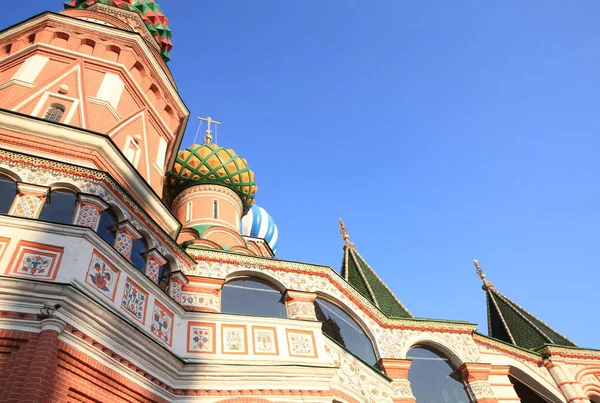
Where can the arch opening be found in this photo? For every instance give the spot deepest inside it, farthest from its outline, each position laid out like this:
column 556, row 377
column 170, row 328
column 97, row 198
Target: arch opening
column 346, row 331
column 60, row 206
column 139, row 252
column 107, row 227
column 8, row 192
column 433, row 378
column 252, row 296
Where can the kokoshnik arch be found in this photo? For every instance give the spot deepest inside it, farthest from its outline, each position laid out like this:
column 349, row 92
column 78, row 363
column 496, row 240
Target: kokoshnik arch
column 133, row 271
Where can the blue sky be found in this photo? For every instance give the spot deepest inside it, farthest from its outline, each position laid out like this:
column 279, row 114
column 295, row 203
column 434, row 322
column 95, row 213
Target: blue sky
column 439, row 132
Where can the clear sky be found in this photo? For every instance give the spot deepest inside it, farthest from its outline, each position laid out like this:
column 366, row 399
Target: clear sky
column 439, row 132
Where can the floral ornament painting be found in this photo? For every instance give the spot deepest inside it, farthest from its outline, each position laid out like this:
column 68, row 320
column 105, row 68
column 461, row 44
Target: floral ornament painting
column 162, row 323
column 134, row 300
column 102, row 276
column 36, row 264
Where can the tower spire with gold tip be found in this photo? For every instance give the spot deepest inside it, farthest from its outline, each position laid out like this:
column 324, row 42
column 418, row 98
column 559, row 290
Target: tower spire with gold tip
column 362, row 277
column 486, row 284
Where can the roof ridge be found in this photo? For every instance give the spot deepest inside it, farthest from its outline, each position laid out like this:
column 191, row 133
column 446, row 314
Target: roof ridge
column 506, row 327
column 383, row 283
column 349, row 250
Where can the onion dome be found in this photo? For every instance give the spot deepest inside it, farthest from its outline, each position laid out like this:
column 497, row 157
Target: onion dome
column 259, row 224
column 149, row 11
column 211, row 164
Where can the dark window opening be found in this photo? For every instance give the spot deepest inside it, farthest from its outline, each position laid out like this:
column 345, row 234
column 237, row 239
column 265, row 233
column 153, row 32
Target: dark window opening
column 215, row 209
column 340, row 326
column 525, row 393
column 248, row 296
column 433, row 379
column 139, row 252
column 107, row 227
column 8, row 192
column 60, row 206
column 164, row 277
column 55, row 112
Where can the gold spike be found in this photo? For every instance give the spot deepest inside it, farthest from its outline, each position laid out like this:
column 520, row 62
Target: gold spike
column 344, row 233
column 487, row 285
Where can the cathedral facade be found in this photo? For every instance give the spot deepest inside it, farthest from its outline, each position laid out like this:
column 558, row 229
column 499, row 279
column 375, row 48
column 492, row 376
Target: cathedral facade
column 132, row 270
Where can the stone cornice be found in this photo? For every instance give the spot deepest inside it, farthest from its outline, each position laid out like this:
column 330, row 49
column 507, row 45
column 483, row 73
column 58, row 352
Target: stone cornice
column 571, row 353
column 506, row 348
column 108, row 338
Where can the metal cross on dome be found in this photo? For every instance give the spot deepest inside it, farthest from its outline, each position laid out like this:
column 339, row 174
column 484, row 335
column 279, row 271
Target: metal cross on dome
column 208, row 137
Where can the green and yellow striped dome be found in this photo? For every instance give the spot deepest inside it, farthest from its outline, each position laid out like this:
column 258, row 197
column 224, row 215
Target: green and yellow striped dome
column 210, row 163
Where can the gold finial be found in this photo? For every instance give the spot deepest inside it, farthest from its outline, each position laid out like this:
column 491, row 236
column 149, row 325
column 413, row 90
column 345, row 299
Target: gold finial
column 481, row 274
column 344, row 233
column 208, row 137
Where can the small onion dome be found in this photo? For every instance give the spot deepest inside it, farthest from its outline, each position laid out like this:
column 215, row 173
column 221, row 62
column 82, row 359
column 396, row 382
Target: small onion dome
column 151, row 14
column 209, row 163
column 259, row 224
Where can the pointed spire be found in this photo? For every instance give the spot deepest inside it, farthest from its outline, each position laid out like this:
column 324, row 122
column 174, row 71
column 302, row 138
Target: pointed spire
column 512, row 324
column 345, row 235
column 362, row 277
column 481, row 274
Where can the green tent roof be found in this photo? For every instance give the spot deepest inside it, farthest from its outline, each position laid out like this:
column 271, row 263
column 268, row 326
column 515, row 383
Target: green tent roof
column 510, row 323
column 360, row 275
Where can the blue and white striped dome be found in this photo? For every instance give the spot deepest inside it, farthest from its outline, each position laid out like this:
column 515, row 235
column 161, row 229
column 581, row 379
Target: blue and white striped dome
column 259, row 224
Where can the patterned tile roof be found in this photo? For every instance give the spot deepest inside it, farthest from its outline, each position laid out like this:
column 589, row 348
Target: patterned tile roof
column 360, row 275
column 508, row 322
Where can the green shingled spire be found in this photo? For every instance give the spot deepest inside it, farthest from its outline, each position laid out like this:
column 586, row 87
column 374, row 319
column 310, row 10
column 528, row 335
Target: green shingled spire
column 510, row 323
column 360, row 275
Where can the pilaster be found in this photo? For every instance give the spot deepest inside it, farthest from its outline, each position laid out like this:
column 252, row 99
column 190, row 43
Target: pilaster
column 476, row 376
column 126, row 234
column 569, row 387
column 398, row 371
column 29, row 201
column 154, row 262
column 202, row 294
column 178, row 280
column 300, row 305
column 89, row 210
column 42, row 369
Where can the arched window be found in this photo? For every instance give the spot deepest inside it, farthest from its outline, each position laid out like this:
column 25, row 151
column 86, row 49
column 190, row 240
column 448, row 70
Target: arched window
column 107, row 227
column 595, row 398
column 139, row 251
column 433, row 379
column 251, row 296
column 55, row 112
column 60, row 206
column 8, row 191
column 340, row 326
column 215, row 209
column 526, row 393
column 188, row 211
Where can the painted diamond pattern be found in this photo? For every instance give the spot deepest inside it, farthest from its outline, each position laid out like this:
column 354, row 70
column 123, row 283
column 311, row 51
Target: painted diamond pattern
column 152, row 270
column 162, row 323
column 134, row 300
column 87, row 216
column 176, row 291
column 124, row 244
column 27, row 206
